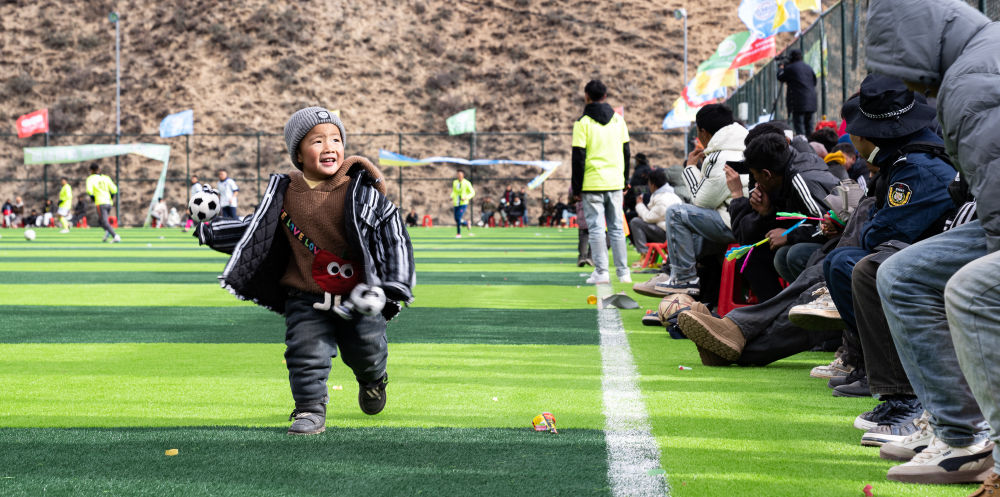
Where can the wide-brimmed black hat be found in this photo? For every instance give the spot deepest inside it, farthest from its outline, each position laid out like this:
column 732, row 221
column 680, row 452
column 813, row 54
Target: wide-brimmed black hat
column 886, row 109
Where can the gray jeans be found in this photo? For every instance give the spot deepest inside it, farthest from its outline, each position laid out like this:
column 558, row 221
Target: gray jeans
column 643, row 233
column 600, row 208
column 688, row 226
column 103, row 211
column 912, row 284
column 972, row 299
column 312, row 339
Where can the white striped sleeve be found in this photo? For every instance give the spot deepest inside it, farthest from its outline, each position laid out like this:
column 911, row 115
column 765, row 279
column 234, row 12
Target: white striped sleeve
column 806, row 196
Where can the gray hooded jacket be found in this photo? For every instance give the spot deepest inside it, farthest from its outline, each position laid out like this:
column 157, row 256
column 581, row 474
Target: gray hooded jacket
column 949, row 44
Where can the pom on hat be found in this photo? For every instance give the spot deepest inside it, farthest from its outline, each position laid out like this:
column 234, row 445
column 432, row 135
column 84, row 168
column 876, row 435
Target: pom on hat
column 302, row 121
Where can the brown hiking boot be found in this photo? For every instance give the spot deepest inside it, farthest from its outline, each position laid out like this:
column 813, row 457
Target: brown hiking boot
column 719, row 336
column 989, row 488
column 709, row 358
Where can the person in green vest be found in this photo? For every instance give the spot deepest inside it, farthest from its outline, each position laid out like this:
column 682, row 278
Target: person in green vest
column 65, row 204
column 461, row 193
column 101, row 190
column 600, row 170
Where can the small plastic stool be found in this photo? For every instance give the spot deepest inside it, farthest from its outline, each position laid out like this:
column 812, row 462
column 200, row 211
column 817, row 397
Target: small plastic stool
column 572, row 222
column 730, row 286
column 654, row 252
column 427, row 221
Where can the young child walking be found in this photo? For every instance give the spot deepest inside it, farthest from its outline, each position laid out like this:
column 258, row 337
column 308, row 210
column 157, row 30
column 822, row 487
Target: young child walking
column 330, row 252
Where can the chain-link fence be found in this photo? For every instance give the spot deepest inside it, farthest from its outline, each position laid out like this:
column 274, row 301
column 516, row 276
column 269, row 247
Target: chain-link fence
column 834, row 47
column 251, row 157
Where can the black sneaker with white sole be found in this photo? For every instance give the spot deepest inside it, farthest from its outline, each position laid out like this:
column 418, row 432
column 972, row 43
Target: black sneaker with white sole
column 371, row 396
column 690, row 287
column 893, row 410
column 308, row 419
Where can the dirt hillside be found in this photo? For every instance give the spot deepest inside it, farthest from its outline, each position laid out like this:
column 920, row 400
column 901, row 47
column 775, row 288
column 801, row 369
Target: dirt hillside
column 388, row 66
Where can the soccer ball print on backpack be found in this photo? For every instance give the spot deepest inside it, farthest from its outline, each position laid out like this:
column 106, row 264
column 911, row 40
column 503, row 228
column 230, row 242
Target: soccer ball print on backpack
column 205, row 205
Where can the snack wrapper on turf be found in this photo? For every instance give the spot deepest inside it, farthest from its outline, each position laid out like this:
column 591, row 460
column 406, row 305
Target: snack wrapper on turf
column 544, row 422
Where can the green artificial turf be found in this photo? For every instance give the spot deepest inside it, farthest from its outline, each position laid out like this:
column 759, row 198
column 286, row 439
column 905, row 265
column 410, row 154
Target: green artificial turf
column 249, row 324
column 111, row 354
column 366, row 462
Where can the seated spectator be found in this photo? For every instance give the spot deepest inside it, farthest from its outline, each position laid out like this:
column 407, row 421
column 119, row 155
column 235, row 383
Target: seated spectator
column 523, row 195
column 45, row 218
column 411, row 218
column 173, row 218
column 845, row 157
column 32, row 219
column 159, row 213
column 650, row 223
column 787, row 181
column 827, row 137
column 548, row 212
column 8, row 214
column 18, row 211
column 818, row 149
column 760, row 334
column 80, row 212
column 516, row 212
column 940, row 295
column 636, row 187
column 487, row 209
column 563, row 212
column 689, row 226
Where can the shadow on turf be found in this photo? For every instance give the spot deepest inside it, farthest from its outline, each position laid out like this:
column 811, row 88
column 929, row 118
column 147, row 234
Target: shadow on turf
column 266, row 461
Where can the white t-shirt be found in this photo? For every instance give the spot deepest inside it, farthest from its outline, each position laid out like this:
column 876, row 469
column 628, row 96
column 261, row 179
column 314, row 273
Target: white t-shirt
column 226, row 190
column 195, row 189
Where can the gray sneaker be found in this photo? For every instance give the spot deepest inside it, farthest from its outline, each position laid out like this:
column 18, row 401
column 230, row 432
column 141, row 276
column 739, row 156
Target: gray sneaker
column 648, row 288
column 820, row 314
column 309, row 419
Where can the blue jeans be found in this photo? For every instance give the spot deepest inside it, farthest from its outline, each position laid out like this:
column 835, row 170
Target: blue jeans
column 228, row 212
column 459, row 214
column 600, row 208
column 791, row 260
column 911, row 284
column 688, row 226
column 837, row 270
column 972, row 299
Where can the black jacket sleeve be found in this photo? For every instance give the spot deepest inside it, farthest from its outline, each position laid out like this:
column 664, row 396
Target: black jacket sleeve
column 579, row 157
column 628, row 159
column 748, row 226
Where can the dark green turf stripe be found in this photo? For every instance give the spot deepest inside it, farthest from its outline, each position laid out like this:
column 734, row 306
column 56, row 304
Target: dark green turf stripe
column 423, row 277
column 506, row 326
column 513, row 262
column 72, row 324
column 265, row 461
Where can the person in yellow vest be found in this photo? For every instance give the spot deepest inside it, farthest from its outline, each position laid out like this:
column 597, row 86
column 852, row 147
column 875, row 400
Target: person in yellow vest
column 101, row 190
column 600, row 172
column 65, row 204
column 461, row 193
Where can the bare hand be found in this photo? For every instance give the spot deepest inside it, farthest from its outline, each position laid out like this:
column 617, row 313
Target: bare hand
column 696, row 155
column 777, row 239
column 760, row 202
column 734, row 182
column 829, row 228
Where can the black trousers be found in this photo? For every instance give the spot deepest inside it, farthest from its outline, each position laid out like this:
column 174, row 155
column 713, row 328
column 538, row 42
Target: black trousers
column 770, row 335
column 312, row 339
column 885, row 372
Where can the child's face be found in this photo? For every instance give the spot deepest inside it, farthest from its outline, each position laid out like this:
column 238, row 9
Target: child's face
column 321, row 152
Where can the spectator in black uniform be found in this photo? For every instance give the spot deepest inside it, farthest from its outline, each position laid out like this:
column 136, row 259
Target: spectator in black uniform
column 801, row 93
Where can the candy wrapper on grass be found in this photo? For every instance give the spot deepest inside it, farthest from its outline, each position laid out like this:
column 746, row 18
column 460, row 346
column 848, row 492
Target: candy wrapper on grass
column 544, row 422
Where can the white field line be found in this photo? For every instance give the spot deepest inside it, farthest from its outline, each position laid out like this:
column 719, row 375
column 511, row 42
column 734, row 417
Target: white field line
column 632, row 450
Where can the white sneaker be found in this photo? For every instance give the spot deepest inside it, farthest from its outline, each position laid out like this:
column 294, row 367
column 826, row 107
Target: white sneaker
column 116, row 239
column 912, row 444
column 598, row 278
column 941, row 463
column 625, row 278
column 458, row 235
column 64, row 231
column 820, row 314
column 835, row 368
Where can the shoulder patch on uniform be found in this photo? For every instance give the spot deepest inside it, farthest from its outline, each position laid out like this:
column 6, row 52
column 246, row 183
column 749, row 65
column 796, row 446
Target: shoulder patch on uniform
column 899, row 194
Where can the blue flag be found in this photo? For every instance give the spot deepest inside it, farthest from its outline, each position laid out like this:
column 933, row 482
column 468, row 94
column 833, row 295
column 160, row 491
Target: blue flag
column 181, row 123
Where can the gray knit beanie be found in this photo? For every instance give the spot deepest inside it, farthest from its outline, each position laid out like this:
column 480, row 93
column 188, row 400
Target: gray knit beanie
column 301, row 122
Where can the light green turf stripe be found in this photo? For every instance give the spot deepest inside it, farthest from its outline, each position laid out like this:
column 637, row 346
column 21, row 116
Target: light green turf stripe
column 60, row 266
column 431, row 385
column 201, row 295
column 112, row 251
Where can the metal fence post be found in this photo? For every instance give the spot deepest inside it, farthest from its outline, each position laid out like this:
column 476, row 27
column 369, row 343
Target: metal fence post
column 117, row 180
column 843, row 52
column 399, row 150
column 258, row 168
column 822, row 62
column 187, row 168
column 45, row 173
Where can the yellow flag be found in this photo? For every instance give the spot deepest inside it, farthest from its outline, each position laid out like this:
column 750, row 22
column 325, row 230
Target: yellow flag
column 780, row 15
column 809, row 4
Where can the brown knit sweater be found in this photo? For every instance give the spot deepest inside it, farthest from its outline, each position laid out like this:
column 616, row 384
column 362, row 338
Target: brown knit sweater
column 319, row 214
